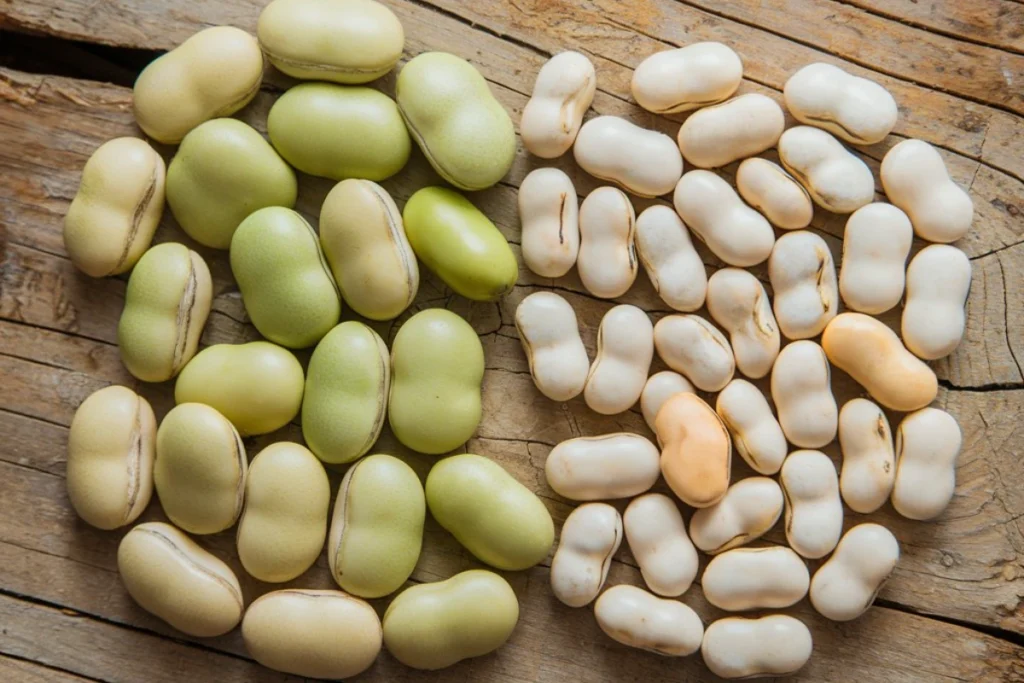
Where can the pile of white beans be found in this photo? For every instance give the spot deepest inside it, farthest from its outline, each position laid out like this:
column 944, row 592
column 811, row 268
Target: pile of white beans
column 606, row 242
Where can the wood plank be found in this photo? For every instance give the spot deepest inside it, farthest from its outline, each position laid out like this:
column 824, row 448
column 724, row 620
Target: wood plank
column 12, row 669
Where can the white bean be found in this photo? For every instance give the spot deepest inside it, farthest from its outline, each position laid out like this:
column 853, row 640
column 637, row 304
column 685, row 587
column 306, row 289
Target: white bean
column 845, row 586
column 802, row 392
column 814, row 510
column 590, row 536
column 603, row 467
column 625, row 347
column 549, row 212
column 659, row 388
column 768, row 188
column 658, row 540
column 607, row 256
column 550, row 336
column 673, row 265
column 869, row 459
column 691, row 345
column 803, row 277
column 687, row 78
column 561, row 95
column 755, row 578
column 837, row 180
column 876, row 244
column 738, row 302
column 775, row 645
column 733, row 130
column 755, row 432
column 634, row 617
column 749, row 509
column 938, row 283
column 856, row 109
column 927, row 446
column 644, row 162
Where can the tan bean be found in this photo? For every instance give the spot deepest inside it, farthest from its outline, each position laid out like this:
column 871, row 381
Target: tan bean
column 659, row 388
column 696, row 453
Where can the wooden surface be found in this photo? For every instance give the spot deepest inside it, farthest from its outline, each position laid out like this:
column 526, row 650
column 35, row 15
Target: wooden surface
column 954, row 609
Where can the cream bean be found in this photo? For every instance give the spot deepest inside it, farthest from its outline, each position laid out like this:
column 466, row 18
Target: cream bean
column 845, row 586
column 755, row 578
column 674, row 267
column 875, row 357
column 856, row 109
column 659, row 388
column 625, row 347
column 696, row 452
column 607, row 256
column 756, row 434
column 687, row 78
column 733, row 130
column 634, row 617
column 550, row 336
column 927, row 446
column 170, row 576
column 837, row 180
column 691, row 345
column 641, row 161
column 776, row 645
column 561, row 96
column 590, row 536
column 803, row 277
column 869, row 460
column 718, row 217
column 814, row 510
column 602, row 467
column 768, row 188
column 938, row 284
column 802, row 392
column 749, row 509
column 737, row 301
column 915, row 179
column 550, row 217
column 876, row 243
column 658, row 540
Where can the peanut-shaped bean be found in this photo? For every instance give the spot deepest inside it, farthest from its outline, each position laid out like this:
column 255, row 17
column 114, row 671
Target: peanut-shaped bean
column 802, row 391
column 837, row 180
column 658, row 540
column 768, row 188
column 803, row 277
column 686, row 78
column 550, row 217
column 735, row 129
column 696, row 454
column 755, row 578
column 691, row 345
column 938, row 284
column 625, row 347
column 602, row 467
column 776, row 645
column 756, row 434
column 590, row 536
column 748, row 511
column 550, row 335
column 607, row 261
column 876, row 243
column 856, row 109
column 641, row 161
column 737, row 301
column 927, row 446
column 666, row 251
column 659, row 388
column 845, row 586
column 814, row 510
column 634, row 617
column 562, row 94
column 869, row 459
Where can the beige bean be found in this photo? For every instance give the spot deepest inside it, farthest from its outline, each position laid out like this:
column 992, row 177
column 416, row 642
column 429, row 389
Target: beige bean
column 755, row 578
column 915, row 179
column 845, row 586
column 814, row 510
column 802, row 392
column 550, row 335
column 673, row 265
column 733, row 231
column 641, row 161
column 738, row 302
column 803, row 277
column 691, row 345
column 869, row 459
column 837, row 180
column 562, row 94
column 634, row 617
column 748, row 511
column 768, row 188
column 170, row 576
column 658, row 540
column 856, row 109
column 927, row 446
column 938, row 284
column 590, row 536
column 612, row 466
column 775, row 645
column 660, row 387
column 756, row 434
column 696, row 452
column 876, row 244
column 686, row 78
column 607, row 261
column 625, row 347
column 733, row 130
column 550, row 217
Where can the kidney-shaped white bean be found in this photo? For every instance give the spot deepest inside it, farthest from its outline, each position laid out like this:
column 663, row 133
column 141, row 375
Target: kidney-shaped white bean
column 837, row 180
column 561, row 96
column 856, row 109
column 625, row 347
column 687, row 78
column 775, row 645
column 549, row 213
column 665, row 249
column 550, row 336
column 607, row 261
column 927, row 445
column 590, row 536
column 876, row 244
column 755, row 432
column 803, row 277
column 802, row 392
column 869, row 460
column 691, row 345
column 814, row 510
column 845, row 586
column 768, row 188
column 938, row 283
column 738, row 302
column 755, row 578
column 605, row 467
column 644, row 162
column 634, row 617
column 658, row 540
column 733, row 130
column 747, row 511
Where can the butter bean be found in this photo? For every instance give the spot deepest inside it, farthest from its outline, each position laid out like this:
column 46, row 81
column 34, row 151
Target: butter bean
column 437, row 366
column 686, row 78
column 775, row 645
column 666, row 251
column 691, row 345
column 111, row 446
column 814, row 510
column 222, row 173
column 756, row 434
column 119, row 202
column 452, row 115
column 916, row 180
column 837, row 180
column 748, row 511
column 875, row 247
column 283, row 525
column 659, row 543
column 165, row 309
column 755, row 578
column 641, row 161
column 562, row 94
column 718, row 217
column 634, row 617
column 312, row 633
column 607, row 258
column 927, row 446
column 346, row 41
column 845, row 586
column 659, row 388
column 730, row 131
column 869, row 460
column 802, row 392
column 768, row 188
column 696, row 452
column 737, row 301
column 377, row 529
column 590, row 536
column 856, row 109
column 214, row 73
column 875, row 357
column 286, row 284
column 803, row 277
column 434, row 625
column 549, row 212
column 618, row 465
column 938, row 284
column 200, row 469
column 625, row 347
column 170, row 576
column 549, row 333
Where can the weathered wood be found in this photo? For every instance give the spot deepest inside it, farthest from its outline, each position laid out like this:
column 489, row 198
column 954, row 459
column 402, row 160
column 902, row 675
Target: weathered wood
column 29, row 672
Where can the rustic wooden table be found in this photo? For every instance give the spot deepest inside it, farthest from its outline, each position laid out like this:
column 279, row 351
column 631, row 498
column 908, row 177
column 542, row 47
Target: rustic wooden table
column 954, row 609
